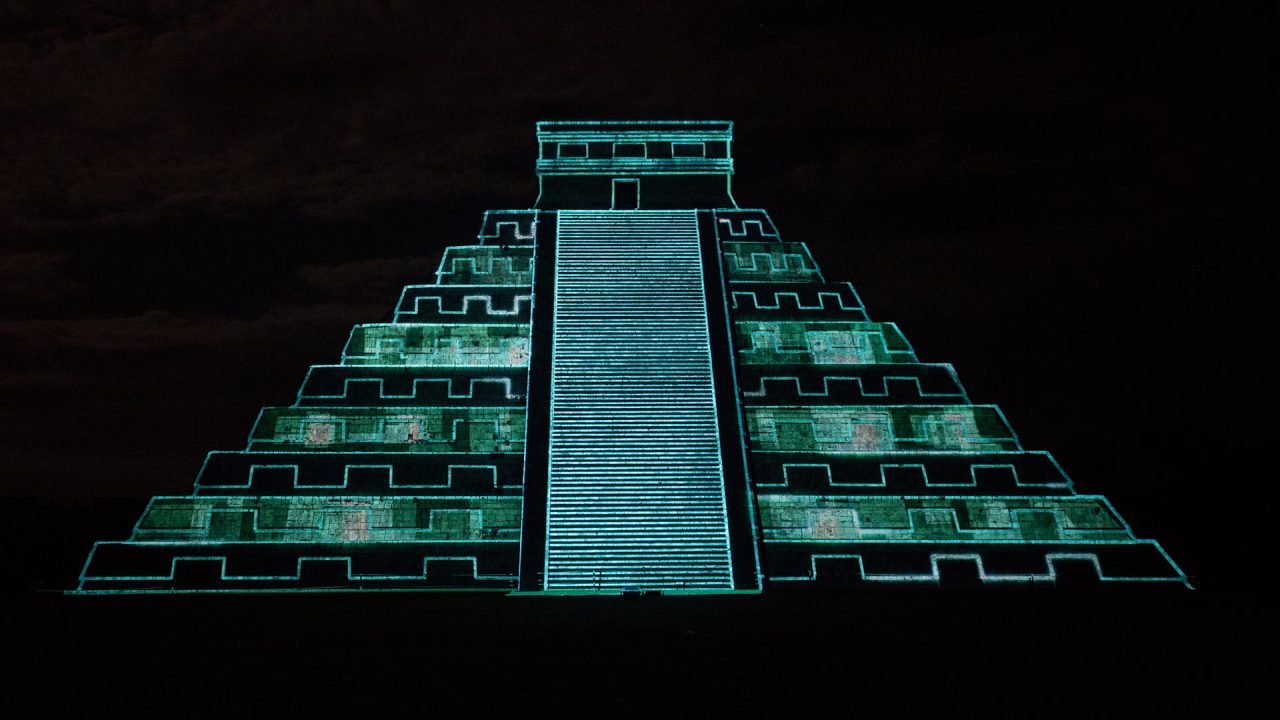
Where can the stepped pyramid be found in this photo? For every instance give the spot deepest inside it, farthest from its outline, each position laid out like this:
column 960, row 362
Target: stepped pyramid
column 635, row 386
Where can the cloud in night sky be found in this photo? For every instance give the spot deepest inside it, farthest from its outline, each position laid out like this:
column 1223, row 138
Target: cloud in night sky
column 33, row 276
column 369, row 277
column 159, row 329
column 133, row 113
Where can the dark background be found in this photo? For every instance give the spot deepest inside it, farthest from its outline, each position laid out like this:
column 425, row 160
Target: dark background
column 197, row 201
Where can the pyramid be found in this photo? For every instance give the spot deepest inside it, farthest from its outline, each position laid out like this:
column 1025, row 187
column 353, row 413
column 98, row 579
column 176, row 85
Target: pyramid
column 634, row 387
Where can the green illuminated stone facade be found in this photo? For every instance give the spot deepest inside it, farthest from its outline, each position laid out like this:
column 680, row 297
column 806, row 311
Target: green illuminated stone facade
column 634, row 386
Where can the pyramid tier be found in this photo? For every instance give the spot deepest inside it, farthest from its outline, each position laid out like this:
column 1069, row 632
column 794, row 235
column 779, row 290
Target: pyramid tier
column 438, row 345
column 272, row 566
column 812, row 342
column 907, row 473
column 486, row 265
column 936, row 518
column 394, row 386
column 795, row 301
column 878, row 428
column 391, row 429
column 744, row 225
column 888, row 383
column 464, row 303
column 347, row 473
column 330, row 519
column 769, row 262
column 508, row 227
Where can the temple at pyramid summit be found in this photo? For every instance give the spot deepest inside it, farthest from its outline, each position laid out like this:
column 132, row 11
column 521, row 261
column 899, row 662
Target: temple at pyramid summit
column 636, row 386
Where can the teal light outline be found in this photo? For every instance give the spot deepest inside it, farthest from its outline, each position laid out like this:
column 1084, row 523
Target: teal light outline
column 796, row 296
column 1000, row 502
column 891, row 454
column 499, row 255
column 863, row 388
column 569, row 283
column 1014, row 578
column 391, row 482
column 613, row 198
column 449, row 381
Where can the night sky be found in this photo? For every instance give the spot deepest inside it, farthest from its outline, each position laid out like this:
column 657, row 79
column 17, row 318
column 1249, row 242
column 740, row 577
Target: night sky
column 197, row 201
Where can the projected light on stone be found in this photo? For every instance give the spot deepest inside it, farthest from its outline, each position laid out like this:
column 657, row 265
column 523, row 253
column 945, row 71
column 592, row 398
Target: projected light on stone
column 636, row 488
column 636, row 385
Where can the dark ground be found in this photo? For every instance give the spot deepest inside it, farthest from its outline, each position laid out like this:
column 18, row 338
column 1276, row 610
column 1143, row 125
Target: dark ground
column 1088, row 652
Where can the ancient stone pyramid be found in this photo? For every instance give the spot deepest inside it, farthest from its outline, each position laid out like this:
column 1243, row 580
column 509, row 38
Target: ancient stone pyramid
column 636, row 386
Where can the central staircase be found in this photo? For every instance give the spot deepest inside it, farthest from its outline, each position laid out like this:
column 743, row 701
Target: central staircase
column 635, row 485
